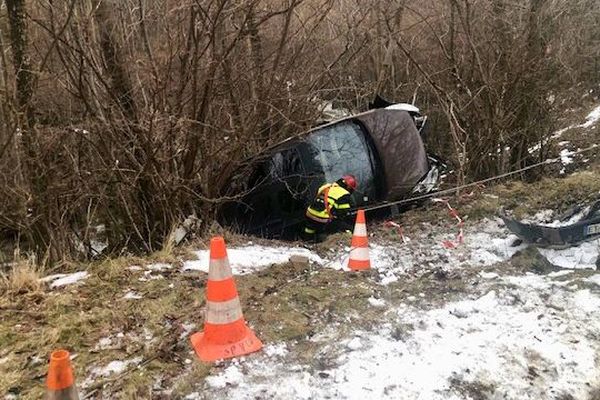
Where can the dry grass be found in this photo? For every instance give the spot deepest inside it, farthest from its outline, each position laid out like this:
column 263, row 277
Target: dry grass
column 23, row 277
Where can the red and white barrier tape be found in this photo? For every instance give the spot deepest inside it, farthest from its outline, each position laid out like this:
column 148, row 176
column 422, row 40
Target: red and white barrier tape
column 393, row 224
column 449, row 244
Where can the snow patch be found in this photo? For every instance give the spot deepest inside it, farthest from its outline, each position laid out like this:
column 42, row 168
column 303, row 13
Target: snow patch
column 104, row 343
column 592, row 118
column 595, row 279
column 566, row 156
column 252, row 258
column 557, row 274
column 488, row 275
column 187, row 328
column 131, row 295
column 376, row 302
column 59, row 280
column 488, row 250
column 276, row 350
column 159, row 267
column 230, row 376
column 583, row 256
column 115, row 367
column 354, row 344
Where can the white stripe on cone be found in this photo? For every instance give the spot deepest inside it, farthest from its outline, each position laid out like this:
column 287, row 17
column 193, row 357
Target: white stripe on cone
column 360, row 254
column 223, row 312
column 360, row 230
column 219, row 269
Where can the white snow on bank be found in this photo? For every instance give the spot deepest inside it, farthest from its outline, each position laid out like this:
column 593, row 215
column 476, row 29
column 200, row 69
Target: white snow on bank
column 592, row 118
column 115, row 367
column 548, row 218
column 566, row 156
column 485, row 243
column 230, row 376
column 488, row 275
column 59, row 280
column 159, row 267
column 131, row 295
column 251, row 258
column 583, row 256
column 489, row 243
column 531, row 342
column 376, row 302
column 595, row 279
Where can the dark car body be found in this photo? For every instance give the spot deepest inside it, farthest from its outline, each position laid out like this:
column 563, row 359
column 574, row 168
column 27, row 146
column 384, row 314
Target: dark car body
column 382, row 148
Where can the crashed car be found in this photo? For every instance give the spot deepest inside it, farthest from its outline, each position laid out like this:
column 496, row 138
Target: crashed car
column 382, row 148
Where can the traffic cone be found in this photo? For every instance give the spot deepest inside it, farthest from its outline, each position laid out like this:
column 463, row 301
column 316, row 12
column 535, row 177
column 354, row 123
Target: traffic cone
column 359, row 254
column 60, row 383
column 225, row 334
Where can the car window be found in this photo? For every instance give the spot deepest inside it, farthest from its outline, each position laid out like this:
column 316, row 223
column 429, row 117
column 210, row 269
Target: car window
column 341, row 149
column 286, row 163
column 289, row 180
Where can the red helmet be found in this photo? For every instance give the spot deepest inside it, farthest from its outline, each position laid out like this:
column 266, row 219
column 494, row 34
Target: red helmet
column 350, row 181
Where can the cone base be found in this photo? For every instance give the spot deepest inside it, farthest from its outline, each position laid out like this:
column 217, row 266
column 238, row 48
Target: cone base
column 213, row 352
column 361, row 268
column 359, row 265
column 69, row 393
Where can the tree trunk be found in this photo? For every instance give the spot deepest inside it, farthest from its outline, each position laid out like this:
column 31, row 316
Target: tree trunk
column 121, row 87
column 38, row 232
column 22, row 64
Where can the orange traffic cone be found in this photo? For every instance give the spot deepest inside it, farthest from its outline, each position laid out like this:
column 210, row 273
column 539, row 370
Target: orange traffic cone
column 225, row 332
column 60, row 383
column 359, row 255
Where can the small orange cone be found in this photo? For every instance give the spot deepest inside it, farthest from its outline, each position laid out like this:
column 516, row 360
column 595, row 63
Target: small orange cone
column 359, row 254
column 60, row 383
column 225, row 334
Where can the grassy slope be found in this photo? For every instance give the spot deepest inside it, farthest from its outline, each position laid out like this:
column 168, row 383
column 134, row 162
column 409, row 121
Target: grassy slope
column 283, row 303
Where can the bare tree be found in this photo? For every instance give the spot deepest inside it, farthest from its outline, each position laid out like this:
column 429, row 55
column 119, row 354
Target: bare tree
column 132, row 114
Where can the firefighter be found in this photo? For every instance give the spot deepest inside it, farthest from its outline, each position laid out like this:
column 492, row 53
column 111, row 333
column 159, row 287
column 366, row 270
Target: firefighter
column 328, row 211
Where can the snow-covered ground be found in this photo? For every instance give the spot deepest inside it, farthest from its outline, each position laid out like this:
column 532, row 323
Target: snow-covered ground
column 517, row 337
column 528, row 337
column 508, row 336
column 485, row 243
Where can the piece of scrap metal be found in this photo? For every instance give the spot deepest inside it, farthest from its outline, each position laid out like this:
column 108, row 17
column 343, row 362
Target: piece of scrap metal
column 587, row 228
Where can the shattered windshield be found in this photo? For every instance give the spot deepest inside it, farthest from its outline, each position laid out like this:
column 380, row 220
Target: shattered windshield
column 341, row 149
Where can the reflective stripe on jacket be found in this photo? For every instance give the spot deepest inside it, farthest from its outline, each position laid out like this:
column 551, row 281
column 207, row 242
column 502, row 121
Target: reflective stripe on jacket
column 331, row 201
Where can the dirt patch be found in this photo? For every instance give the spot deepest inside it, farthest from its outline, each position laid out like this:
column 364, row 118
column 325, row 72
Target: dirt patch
column 471, row 390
